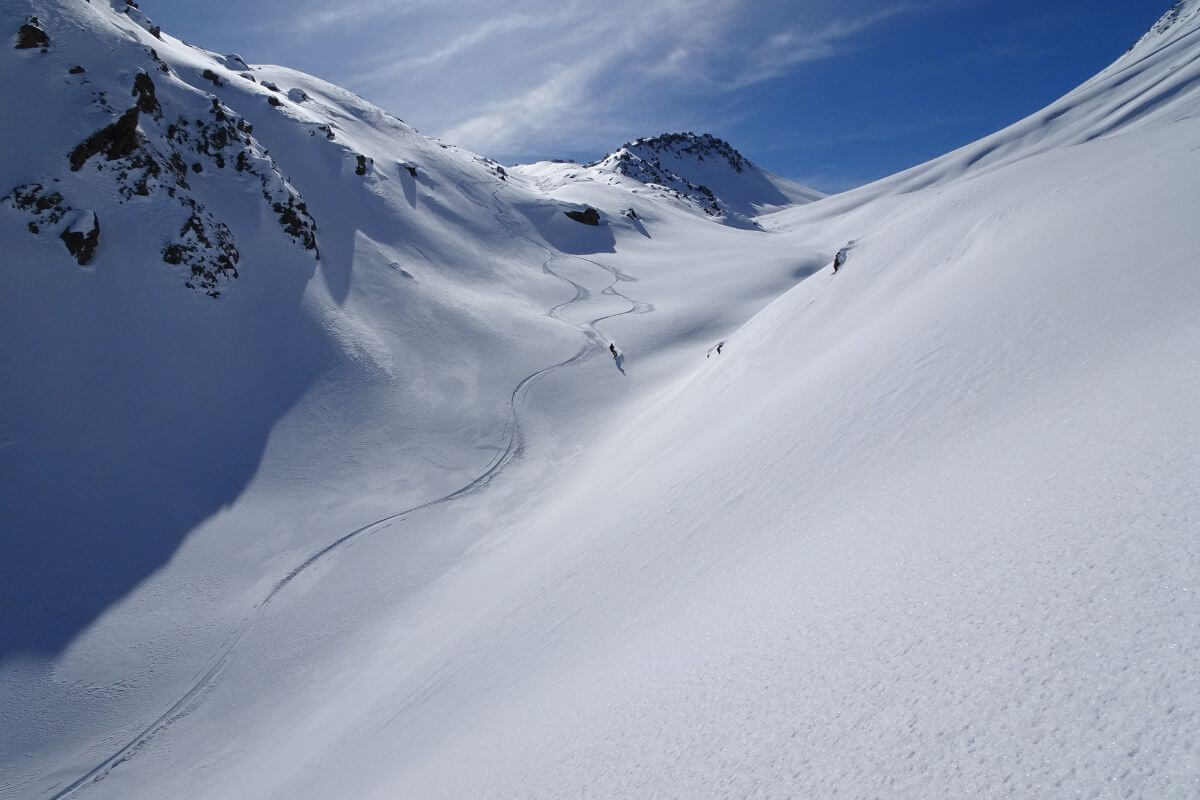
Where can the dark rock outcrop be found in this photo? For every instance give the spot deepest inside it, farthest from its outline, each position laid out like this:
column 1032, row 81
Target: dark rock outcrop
column 44, row 208
column 361, row 167
column 144, row 160
column 82, row 237
column 77, row 70
column 143, row 89
column 298, row 223
column 205, row 246
column 162, row 65
column 589, row 216
column 30, row 36
column 115, row 140
column 272, row 100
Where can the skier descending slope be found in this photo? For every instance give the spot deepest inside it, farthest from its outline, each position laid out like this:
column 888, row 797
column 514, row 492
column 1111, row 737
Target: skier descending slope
column 838, row 260
column 843, row 255
column 618, row 356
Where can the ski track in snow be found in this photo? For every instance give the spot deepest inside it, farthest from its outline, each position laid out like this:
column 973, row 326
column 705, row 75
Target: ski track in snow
column 515, row 447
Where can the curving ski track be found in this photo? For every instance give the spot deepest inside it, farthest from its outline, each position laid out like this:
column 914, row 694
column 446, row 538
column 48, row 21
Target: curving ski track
column 514, row 447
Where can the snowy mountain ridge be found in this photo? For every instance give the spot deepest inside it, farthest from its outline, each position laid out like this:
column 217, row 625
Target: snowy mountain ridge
column 704, row 172
column 1177, row 16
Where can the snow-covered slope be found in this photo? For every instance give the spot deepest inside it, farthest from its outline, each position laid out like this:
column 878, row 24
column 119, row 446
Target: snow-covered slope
column 1150, row 84
column 298, row 316
column 923, row 528
column 700, row 171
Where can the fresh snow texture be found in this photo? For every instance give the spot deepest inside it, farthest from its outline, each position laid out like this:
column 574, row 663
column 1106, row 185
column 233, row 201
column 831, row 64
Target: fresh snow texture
column 391, row 522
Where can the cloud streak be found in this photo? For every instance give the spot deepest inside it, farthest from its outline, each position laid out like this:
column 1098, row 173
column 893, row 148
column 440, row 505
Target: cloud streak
column 535, row 78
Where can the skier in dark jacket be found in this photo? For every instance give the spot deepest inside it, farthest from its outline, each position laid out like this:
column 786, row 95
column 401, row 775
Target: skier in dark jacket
column 838, row 260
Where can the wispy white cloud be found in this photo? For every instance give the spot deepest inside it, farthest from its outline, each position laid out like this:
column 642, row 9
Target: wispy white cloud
column 783, row 51
column 552, row 77
column 311, row 19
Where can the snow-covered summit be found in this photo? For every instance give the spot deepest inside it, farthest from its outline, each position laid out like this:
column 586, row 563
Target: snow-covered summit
column 706, row 172
column 708, row 169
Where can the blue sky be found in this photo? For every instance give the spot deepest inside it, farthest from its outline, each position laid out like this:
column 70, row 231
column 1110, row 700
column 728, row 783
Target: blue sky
column 832, row 93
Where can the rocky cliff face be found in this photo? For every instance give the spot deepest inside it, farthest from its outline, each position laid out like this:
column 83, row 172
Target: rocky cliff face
column 156, row 135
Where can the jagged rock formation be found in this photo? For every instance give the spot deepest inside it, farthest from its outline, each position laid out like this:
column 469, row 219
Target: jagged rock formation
column 700, row 171
column 642, row 160
column 151, row 148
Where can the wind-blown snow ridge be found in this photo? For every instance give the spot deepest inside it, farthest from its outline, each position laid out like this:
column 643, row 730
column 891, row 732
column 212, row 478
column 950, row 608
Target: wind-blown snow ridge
column 1178, row 15
column 1155, row 82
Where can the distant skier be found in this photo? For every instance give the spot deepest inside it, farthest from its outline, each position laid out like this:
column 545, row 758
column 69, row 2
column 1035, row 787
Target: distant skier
column 838, row 260
column 618, row 356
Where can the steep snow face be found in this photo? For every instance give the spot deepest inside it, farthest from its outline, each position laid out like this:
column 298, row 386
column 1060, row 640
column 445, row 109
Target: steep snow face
column 251, row 321
column 1154, row 83
column 704, row 172
column 926, row 528
column 1179, row 15
column 162, row 314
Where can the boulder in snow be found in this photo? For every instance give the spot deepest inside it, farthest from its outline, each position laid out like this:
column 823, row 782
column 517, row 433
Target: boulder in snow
column 588, row 216
column 83, row 236
column 297, row 95
column 31, row 36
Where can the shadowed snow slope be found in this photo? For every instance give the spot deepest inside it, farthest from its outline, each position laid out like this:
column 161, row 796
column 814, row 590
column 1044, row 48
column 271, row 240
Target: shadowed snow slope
column 923, row 528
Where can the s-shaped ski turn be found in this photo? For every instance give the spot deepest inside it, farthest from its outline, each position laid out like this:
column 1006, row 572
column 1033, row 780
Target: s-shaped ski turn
column 514, row 447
